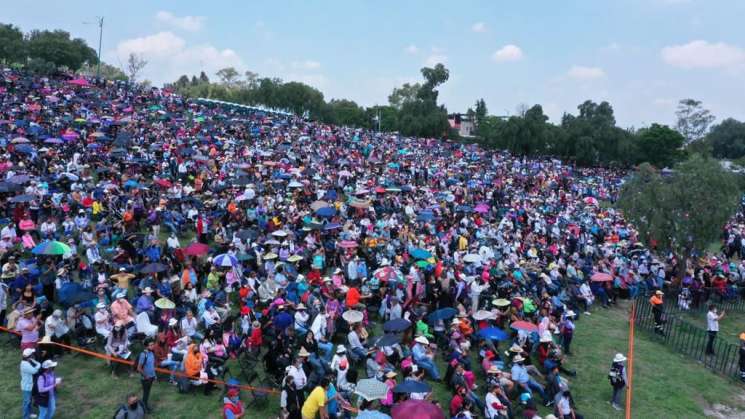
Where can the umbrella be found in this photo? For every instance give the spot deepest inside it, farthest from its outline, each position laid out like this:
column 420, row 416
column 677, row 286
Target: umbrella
column 524, row 326
column 590, row 201
column 151, row 268
column 20, row 140
column 601, row 277
column 347, row 244
column 294, row 258
column 326, row 212
column 360, row 204
column 483, row 315
column 196, row 249
column 315, row 206
column 472, row 258
column 270, row 256
column 79, row 82
column 51, row 248
column 411, row 386
column 481, row 208
column 331, row 226
column 353, row 316
column 396, row 325
column 225, row 261
column 247, row 234
column 19, row 179
column 420, row 254
column 371, row 389
column 165, row 304
column 387, row 273
column 493, row 333
column 53, row 141
column 388, row 339
column 279, row 233
column 416, row 409
column 442, row 314
column 26, row 225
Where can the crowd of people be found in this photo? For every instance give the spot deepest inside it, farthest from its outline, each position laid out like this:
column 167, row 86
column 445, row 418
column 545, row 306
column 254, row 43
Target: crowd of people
column 182, row 235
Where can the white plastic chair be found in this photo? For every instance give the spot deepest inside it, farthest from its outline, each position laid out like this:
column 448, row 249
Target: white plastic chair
column 144, row 326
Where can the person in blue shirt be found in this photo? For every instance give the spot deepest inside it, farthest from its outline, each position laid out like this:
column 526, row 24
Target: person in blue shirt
column 146, row 368
column 521, row 377
column 422, row 358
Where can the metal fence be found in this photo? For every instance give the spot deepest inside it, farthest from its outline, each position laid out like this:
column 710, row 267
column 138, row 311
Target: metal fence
column 690, row 340
column 677, row 301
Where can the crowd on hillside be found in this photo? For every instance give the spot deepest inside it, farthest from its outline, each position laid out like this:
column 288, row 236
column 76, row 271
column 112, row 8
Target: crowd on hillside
column 352, row 269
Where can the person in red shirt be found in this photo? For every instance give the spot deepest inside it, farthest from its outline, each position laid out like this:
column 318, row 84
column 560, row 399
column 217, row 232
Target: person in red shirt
column 256, row 339
column 353, row 297
column 458, row 401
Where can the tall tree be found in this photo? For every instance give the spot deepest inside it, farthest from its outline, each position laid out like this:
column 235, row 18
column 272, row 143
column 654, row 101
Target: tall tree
column 693, row 120
column 481, row 111
column 135, row 64
column 58, row 48
column 659, row 145
column 684, row 212
column 727, row 139
column 406, row 93
column 228, row 77
column 12, row 44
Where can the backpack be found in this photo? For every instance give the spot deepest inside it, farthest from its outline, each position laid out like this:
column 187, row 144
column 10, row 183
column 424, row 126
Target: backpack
column 615, row 375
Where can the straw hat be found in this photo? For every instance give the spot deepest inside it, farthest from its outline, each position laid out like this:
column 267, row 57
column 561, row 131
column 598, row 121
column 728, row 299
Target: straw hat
column 303, row 353
column 518, row 358
column 46, row 340
column 619, row 358
column 516, row 348
column 422, row 340
column 493, row 370
column 391, row 374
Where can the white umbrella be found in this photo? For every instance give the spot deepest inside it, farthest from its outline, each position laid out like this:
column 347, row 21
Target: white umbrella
column 483, row 315
column 472, row 258
column 279, row 233
column 353, row 316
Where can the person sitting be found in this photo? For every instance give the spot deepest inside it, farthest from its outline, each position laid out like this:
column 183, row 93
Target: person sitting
column 56, row 328
column 117, row 346
column 103, row 320
column 424, row 357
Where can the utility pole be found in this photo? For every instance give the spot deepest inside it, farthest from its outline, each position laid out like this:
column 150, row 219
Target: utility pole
column 100, row 39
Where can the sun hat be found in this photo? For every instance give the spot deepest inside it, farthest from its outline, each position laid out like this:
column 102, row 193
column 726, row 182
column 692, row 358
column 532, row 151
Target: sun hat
column 570, row 313
column 422, row 340
column 658, row 292
column 341, row 349
column 300, row 306
column 101, row 305
column 303, row 353
column 28, row 352
column 619, row 358
column 391, row 374
column 172, row 321
column 516, row 348
column 493, row 370
column 48, row 364
column 518, row 358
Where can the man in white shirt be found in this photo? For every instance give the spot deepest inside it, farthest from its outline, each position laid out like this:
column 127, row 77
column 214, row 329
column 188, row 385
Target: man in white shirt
column 296, row 371
column 494, row 407
column 712, row 327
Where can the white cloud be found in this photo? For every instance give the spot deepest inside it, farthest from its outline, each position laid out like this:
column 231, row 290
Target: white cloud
column 479, row 27
column 579, row 72
column 703, row 54
column 306, row 65
column 508, row 53
column 411, row 49
column 187, row 23
column 435, row 58
column 169, row 56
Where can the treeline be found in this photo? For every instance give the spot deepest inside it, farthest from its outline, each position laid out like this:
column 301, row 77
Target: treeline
column 44, row 51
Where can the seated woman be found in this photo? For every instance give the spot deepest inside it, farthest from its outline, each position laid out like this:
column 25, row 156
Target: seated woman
column 164, row 357
column 103, row 320
column 117, row 346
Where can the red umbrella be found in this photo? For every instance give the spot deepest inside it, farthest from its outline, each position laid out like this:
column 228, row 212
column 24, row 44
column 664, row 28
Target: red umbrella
column 165, row 183
column 417, row 409
column 601, row 277
column 80, row 82
column 196, row 249
column 524, row 326
column 347, row 244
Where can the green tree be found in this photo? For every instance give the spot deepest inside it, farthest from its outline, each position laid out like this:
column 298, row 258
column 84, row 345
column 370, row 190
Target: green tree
column 58, row 48
column 12, row 44
column 228, row 76
column 481, row 111
column 727, row 139
column 347, row 112
column 388, row 117
column 682, row 212
column 592, row 137
column 659, row 145
column 693, row 120
column 421, row 116
column 203, row 77
column 404, row 94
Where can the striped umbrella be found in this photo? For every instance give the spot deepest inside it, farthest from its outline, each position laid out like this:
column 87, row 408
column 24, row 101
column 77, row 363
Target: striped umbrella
column 225, row 261
column 51, row 248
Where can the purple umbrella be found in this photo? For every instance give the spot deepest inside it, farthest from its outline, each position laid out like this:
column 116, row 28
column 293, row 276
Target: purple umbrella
column 416, row 409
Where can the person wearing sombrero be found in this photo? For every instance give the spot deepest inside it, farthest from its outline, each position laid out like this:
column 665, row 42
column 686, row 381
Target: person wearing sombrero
column 28, row 325
column 618, row 379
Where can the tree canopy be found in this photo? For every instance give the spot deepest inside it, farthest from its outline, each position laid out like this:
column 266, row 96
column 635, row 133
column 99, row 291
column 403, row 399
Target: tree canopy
column 684, row 211
column 727, row 140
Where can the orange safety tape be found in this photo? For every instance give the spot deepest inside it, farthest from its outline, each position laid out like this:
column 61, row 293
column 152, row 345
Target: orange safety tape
column 629, row 391
column 131, row 363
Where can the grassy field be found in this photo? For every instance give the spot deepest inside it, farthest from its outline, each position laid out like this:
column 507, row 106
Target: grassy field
column 667, row 385
column 730, row 326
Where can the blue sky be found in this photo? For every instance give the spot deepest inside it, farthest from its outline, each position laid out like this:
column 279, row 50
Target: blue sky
column 640, row 55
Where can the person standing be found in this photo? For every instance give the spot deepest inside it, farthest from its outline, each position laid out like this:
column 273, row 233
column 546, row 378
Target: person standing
column 29, row 367
column 657, row 306
column 617, row 377
column 742, row 357
column 146, row 368
column 712, row 327
column 47, row 384
column 316, row 402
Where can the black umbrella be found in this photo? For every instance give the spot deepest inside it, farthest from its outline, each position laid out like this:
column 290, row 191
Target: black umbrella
column 396, row 325
column 411, row 386
column 388, row 339
column 153, row 268
column 22, row 198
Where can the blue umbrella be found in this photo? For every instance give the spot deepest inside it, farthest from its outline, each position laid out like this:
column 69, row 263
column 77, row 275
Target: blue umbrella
column 225, row 261
column 425, row 216
column 326, row 212
column 332, row 226
column 388, row 339
column 396, row 325
column 420, row 254
column 442, row 314
column 493, row 333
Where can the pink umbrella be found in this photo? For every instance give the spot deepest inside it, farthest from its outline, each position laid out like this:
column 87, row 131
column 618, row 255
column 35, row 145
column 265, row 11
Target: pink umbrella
column 601, row 277
column 27, row 225
column 196, row 249
column 481, row 208
column 79, row 82
column 347, row 244
column 524, row 326
column 591, row 201
column 417, row 409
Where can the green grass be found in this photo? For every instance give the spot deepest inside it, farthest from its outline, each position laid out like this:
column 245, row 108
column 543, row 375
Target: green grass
column 730, row 326
column 666, row 384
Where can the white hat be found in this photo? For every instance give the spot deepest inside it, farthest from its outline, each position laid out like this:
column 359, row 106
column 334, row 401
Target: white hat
column 48, row 364
column 101, row 305
column 341, row 349
column 570, row 313
column 619, row 358
column 546, row 337
column 147, row 290
column 28, row 352
column 422, row 340
column 121, row 294
column 172, row 321
column 57, row 313
column 518, row 358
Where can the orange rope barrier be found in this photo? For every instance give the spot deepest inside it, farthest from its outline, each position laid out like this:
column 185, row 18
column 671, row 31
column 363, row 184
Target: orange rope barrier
column 157, row 369
column 629, row 391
